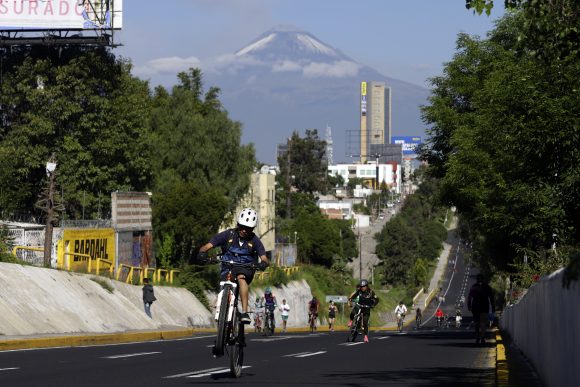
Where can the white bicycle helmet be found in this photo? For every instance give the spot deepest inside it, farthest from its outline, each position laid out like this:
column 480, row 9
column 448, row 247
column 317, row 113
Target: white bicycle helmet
column 248, row 217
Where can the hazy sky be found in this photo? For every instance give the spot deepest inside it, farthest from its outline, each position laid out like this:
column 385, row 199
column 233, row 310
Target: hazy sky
column 403, row 39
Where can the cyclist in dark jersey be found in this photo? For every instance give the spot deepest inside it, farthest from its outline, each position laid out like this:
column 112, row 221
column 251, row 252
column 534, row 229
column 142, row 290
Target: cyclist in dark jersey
column 363, row 295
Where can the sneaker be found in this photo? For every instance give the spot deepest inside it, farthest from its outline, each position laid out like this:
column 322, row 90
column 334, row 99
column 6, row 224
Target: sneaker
column 366, row 339
column 245, row 318
column 350, row 323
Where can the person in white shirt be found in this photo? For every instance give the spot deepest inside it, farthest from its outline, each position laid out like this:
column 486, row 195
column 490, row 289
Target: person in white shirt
column 285, row 310
column 400, row 311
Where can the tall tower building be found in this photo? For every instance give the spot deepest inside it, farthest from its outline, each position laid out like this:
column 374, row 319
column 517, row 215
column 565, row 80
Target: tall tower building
column 375, row 117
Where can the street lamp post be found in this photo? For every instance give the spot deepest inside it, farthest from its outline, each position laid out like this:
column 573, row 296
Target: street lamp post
column 359, row 252
column 49, row 208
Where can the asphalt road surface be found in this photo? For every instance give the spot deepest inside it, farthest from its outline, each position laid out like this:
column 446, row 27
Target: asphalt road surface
column 425, row 356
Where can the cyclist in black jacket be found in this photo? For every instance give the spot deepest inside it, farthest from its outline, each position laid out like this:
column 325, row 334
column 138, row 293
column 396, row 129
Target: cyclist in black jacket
column 363, row 295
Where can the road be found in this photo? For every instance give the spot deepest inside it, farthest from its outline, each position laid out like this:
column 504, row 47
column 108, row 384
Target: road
column 415, row 357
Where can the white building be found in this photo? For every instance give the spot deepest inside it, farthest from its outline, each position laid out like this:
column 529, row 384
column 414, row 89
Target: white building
column 261, row 197
column 389, row 174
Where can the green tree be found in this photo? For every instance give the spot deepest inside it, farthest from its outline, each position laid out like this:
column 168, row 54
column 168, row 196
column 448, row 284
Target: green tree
column 504, row 138
column 82, row 105
column 200, row 168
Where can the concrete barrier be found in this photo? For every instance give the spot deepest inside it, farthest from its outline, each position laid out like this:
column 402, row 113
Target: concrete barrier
column 39, row 301
column 544, row 326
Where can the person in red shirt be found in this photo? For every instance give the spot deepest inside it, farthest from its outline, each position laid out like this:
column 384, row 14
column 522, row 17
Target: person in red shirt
column 439, row 315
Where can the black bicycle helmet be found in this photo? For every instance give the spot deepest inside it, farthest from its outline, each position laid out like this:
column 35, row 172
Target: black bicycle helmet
column 363, row 282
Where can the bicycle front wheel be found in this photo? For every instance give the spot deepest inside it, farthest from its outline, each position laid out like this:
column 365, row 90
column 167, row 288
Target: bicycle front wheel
column 354, row 329
column 222, row 322
column 236, row 344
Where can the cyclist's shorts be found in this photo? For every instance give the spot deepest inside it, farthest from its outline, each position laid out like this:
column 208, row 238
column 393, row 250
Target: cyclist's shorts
column 285, row 318
column 247, row 272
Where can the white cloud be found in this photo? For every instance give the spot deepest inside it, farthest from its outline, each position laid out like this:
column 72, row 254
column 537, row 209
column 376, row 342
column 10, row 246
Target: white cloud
column 285, row 66
column 169, row 65
column 337, row 69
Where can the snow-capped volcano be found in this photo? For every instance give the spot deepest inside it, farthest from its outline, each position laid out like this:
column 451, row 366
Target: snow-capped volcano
column 289, row 42
column 287, row 79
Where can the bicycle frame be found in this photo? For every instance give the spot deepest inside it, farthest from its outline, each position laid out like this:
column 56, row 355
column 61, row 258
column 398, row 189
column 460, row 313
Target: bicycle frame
column 233, row 297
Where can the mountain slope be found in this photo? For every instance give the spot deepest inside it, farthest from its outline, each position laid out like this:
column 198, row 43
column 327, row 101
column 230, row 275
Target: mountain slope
column 288, row 80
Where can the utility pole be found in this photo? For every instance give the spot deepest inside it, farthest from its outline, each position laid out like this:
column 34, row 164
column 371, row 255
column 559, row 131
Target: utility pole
column 359, row 252
column 47, row 204
column 288, row 161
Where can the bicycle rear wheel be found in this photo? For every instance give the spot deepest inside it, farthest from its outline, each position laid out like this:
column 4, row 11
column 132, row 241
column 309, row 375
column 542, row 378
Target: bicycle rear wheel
column 222, row 322
column 236, row 344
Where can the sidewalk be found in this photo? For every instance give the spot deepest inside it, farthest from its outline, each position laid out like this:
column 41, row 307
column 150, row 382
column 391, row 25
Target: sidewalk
column 433, row 284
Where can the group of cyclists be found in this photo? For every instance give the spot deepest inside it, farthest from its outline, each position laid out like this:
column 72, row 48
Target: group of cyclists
column 243, row 246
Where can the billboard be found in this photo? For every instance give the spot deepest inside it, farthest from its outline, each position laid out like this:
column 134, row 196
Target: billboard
column 61, row 14
column 409, row 143
column 363, row 98
column 97, row 243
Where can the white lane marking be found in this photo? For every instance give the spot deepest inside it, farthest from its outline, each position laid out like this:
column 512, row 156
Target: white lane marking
column 130, row 355
column 311, row 354
column 219, row 371
column 295, row 354
column 10, row 368
column 382, row 337
column 193, row 373
column 272, row 339
column 351, row 344
column 107, row 345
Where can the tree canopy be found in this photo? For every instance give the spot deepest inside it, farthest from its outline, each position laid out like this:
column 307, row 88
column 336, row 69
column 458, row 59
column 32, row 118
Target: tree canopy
column 504, row 137
column 83, row 106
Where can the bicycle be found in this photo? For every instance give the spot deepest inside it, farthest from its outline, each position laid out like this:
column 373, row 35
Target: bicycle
column 230, row 329
column 269, row 322
column 257, row 322
column 400, row 320
column 357, row 322
column 418, row 322
column 312, row 322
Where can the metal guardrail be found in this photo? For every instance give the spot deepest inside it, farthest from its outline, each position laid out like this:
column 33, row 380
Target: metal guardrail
column 33, row 257
column 418, row 295
column 101, row 264
column 288, row 270
column 430, row 297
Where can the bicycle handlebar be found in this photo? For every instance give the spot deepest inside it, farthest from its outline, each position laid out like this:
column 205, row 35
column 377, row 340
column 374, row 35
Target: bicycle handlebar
column 230, row 263
column 362, row 306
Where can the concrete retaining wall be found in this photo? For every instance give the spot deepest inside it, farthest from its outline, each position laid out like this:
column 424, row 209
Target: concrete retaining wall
column 545, row 327
column 36, row 301
column 296, row 293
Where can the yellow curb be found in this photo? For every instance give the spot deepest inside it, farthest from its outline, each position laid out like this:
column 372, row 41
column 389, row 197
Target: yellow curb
column 128, row 337
column 501, row 366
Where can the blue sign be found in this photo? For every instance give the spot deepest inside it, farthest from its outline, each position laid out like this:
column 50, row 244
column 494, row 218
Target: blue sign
column 409, row 143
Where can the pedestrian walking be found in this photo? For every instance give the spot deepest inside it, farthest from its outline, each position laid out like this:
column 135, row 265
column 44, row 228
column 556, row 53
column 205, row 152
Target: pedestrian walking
column 148, row 296
column 479, row 302
column 331, row 316
column 285, row 311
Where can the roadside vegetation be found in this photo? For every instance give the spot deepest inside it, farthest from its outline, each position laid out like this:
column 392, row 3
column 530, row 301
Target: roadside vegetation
column 504, row 141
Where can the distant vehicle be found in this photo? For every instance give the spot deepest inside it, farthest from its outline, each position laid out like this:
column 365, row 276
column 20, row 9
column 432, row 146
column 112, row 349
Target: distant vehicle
column 382, row 217
column 390, row 205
